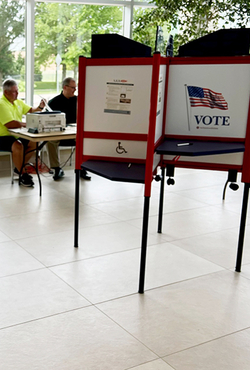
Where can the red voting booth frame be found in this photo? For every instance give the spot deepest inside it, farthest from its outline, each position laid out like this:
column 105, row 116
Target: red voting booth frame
column 152, row 144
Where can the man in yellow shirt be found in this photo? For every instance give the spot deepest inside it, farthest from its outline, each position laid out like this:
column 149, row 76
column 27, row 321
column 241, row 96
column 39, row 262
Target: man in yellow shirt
column 11, row 112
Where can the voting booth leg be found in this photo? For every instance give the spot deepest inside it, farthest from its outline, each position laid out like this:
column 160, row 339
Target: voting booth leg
column 144, row 244
column 77, row 191
column 242, row 227
column 161, row 200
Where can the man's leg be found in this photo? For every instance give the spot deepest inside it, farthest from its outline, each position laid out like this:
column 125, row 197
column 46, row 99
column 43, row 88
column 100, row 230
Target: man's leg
column 54, row 158
column 17, row 155
column 30, row 150
column 71, row 142
column 53, row 153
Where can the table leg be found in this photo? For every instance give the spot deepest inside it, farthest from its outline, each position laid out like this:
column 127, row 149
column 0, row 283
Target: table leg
column 144, row 244
column 242, row 227
column 77, row 187
column 161, row 200
column 37, row 170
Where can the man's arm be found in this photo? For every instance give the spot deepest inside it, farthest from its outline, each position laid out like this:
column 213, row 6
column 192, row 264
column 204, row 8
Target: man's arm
column 39, row 108
column 19, row 124
column 15, row 124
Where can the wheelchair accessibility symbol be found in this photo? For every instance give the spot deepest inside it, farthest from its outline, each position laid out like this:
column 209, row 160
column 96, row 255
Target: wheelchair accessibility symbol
column 120, row 149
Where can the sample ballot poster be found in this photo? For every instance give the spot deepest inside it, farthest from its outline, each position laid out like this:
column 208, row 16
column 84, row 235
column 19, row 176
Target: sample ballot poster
column 118, row 97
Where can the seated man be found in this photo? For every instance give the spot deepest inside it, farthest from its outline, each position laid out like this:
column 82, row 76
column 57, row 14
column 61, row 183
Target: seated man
column 66, row 102
column 11, row 112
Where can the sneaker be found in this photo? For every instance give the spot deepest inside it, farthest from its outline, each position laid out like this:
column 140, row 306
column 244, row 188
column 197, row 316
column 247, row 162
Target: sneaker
column 16, row 172
column 84, row 175
column 58, row 173
column 26, row 180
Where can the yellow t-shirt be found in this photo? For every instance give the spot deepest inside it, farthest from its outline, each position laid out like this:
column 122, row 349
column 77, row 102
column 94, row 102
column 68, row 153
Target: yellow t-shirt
column 10, row 112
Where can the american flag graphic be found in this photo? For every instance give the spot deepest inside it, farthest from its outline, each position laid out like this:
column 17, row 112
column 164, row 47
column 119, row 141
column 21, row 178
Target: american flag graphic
column 203, row 97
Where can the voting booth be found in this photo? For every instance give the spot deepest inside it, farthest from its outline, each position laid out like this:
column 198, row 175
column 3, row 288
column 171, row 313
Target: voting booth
column 207, row 122
column 136, row 115
column 119, row 124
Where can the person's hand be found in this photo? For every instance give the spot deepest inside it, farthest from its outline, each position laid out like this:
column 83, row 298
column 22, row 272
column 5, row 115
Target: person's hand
column 42, row 104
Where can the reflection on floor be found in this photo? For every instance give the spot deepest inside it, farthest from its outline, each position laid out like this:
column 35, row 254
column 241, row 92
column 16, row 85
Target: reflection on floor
column 64, row 308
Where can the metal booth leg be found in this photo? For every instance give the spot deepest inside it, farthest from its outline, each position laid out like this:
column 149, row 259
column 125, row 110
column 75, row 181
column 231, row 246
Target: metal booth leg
column 77, row 191
column 144, row 244
column 161, row 200
column 242, row 227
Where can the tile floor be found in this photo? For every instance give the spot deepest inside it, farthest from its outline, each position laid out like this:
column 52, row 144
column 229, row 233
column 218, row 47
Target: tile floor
column 64, row 308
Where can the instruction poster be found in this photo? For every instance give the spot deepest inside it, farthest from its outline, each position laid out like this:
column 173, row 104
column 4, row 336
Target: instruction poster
column 119, row 97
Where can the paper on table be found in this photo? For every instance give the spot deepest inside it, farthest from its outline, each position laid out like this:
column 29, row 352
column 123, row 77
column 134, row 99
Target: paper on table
column 46, row 105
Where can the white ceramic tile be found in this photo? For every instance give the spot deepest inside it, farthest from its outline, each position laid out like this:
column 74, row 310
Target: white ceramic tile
column 15, row 260
column 39, row 223
column 57, row 248
column 89, row 216
column 235, row 206
column 102, row 278
column 133, row 208
column 167, row 264
column 213, row 195
column 3, row 237
column 245, row 270
column 179, row 316
column 115, row 275
column 219, row 247
column 33, row 204
column 154, row 365
column 32, row 295
column 82, row 339
column 229, row 353
column 184, row 224
column 9, row 190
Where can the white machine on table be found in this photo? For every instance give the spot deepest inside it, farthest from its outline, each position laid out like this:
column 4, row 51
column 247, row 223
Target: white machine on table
column 46, row 121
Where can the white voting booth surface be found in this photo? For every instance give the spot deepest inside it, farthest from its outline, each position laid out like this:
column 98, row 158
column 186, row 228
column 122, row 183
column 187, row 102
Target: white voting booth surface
column 117, row 109
column 209, row 100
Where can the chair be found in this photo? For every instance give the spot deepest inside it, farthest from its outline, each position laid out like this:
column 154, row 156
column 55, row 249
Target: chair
column 71, row 143
column 67, row 144
column 4, row 152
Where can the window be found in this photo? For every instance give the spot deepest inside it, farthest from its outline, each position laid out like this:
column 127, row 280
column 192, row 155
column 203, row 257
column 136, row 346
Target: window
column 62, row 33
column 12, row 42
column 57, row 33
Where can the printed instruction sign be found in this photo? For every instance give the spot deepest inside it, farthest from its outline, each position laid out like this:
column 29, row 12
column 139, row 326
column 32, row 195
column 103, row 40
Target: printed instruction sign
column 118, row 97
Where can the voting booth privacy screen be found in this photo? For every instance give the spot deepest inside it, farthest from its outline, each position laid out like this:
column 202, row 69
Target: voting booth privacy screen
column 121, row 110
column 192, row 98
column 208, row 98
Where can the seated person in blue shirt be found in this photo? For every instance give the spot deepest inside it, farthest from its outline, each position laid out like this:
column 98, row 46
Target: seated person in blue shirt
column 11, row 111
column 66, row 102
